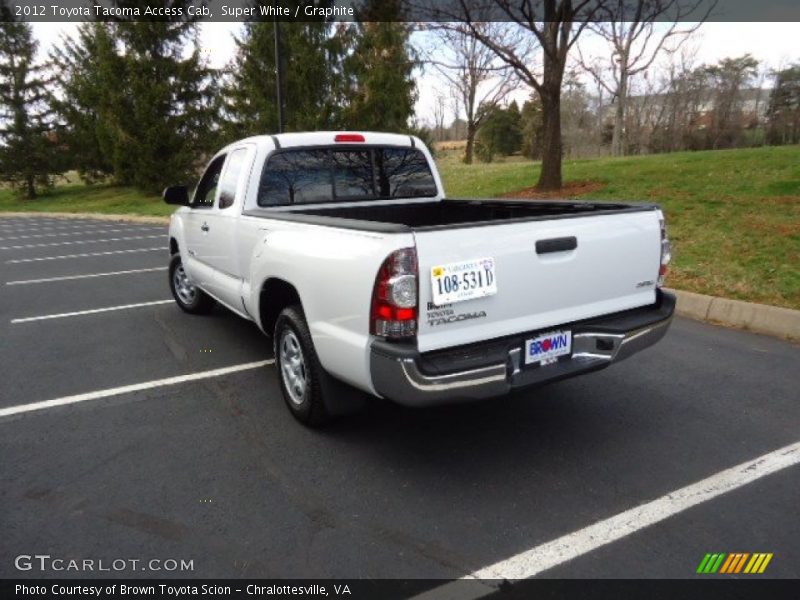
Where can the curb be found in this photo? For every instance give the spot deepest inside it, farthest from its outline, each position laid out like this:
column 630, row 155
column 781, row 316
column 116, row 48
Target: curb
column 758, row 318
column 97, row 216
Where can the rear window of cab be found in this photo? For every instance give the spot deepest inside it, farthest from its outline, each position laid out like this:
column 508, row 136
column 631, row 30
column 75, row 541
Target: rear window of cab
column 308, row 176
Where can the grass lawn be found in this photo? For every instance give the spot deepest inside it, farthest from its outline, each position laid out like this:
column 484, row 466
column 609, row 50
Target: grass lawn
column 79, row 198
column 733, row 215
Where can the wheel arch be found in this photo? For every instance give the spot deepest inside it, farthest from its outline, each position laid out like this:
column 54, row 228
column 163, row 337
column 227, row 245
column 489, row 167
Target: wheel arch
column 275, row 295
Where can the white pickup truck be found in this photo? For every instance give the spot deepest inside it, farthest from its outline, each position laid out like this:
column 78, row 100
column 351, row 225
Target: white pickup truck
column 343, row 248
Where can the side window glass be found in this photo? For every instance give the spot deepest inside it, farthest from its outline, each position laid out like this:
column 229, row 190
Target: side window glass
column 230, row 179
column 207, row 188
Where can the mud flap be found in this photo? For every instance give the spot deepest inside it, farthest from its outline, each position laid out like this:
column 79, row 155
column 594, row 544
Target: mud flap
column 340, row 398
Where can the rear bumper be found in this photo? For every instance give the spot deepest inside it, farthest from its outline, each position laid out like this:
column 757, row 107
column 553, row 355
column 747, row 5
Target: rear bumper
column 494, row 368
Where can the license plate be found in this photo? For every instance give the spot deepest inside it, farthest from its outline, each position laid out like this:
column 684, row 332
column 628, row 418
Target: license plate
column 456, row 282
column 547, row 347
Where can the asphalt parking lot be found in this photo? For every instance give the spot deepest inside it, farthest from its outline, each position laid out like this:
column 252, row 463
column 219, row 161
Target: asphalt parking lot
column 214, row 468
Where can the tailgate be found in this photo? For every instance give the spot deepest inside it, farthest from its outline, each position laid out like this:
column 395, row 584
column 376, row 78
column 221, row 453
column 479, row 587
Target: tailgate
column 612, row 267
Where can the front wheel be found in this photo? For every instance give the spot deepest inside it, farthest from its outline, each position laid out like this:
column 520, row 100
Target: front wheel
column 300, row 375
column 188, row 296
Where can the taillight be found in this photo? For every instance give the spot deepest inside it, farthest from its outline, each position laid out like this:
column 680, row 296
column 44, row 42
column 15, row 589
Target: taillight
column 394, row 297
column 666, row 253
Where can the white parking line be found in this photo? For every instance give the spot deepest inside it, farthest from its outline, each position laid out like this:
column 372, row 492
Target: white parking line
column 73, row 242
column 40, row 258
column 100, row 231
column 560, row 550
column 51, row 226
column 127, row 389
column 87, row 227
column 89, row 276
column 22, row 220
column 92, row 311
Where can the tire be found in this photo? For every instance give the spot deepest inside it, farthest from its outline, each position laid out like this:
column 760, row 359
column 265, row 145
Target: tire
column 301, row 377
column 188, row 297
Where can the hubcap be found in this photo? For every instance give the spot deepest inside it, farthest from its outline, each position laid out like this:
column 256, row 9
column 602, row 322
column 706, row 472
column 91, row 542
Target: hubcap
column 293, row 366
column 185, row 290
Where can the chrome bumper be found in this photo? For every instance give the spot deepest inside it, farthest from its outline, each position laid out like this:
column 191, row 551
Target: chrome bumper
column 399, row 373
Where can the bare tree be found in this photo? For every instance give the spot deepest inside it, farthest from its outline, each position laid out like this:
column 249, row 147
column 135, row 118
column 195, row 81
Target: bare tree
column 439, row 112
column 475, row 75
column 682, row 98
column 643, row 114
column 577, row 118
column 457, row 131
column 545, row 29
column 636, row 33
column 758, row 119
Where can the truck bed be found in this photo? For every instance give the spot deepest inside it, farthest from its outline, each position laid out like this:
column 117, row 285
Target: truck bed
column 445, row 213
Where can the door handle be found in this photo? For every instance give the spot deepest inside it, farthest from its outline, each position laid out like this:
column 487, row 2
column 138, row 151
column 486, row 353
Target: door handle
column 204, row 227
column 556, row 245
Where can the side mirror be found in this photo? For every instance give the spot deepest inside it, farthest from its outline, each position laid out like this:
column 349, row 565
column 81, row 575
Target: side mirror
column 176, row 194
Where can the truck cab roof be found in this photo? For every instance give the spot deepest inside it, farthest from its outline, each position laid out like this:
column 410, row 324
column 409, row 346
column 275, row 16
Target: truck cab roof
column 327, row 138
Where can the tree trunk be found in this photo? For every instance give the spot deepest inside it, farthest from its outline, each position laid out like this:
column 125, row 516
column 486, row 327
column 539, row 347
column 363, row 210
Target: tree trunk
column 618, row 138
column 469, row 150
column 555, row 59
column 550, row 176
column 30, row 188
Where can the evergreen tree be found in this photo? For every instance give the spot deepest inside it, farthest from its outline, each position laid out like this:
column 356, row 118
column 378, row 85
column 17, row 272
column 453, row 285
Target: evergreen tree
column 336, row 75
column 501, row 133
column 513, row 139
column 166, row 118
column 27, row 150
column 726, row 81
column 311, row 53
column 784, row 107
column 89, row 73
column 380, row 69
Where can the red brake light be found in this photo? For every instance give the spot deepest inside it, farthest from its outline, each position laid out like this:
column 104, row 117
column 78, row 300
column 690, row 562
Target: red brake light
column 405, row 314
column 394, row 297
column 349, row 137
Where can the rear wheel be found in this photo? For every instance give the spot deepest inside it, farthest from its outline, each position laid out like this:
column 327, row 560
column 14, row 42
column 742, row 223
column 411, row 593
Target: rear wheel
column 188, row 296
column 300, row 375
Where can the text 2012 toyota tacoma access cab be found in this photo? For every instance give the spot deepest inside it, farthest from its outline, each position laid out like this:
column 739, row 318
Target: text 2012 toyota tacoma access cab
column 343, row 248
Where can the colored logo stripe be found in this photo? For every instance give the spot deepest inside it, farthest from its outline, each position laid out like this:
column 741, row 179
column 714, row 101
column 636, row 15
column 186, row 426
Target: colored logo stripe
column 710, row 563
column 727, row 564
column 735, row 562
column 758, row 563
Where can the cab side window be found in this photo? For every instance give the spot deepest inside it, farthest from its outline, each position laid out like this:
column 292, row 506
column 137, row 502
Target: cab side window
column 230, row 179
column 206, row 190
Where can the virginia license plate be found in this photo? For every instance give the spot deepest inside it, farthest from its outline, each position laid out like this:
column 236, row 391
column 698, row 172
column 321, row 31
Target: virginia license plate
column 547, row 347
column 466, row 280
